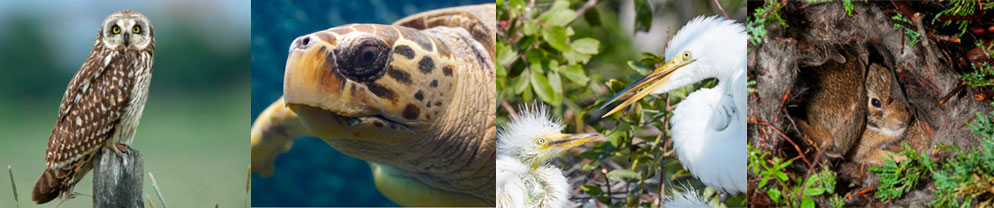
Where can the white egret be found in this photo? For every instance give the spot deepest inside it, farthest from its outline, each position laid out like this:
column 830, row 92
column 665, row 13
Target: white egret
column 522, row 147
column 709, row 126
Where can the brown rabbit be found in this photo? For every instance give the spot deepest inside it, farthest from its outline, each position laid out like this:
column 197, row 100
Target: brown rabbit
column 886, row 118
column 836, row 108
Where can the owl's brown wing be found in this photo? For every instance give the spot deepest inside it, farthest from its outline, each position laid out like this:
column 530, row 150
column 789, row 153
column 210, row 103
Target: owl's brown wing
column 91, row 108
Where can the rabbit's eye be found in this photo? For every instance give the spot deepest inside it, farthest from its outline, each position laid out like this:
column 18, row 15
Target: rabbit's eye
column 875, row 102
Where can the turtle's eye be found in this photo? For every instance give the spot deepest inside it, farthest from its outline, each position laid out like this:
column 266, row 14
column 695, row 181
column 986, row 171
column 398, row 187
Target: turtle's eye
column 365, row 60
column 366, row 56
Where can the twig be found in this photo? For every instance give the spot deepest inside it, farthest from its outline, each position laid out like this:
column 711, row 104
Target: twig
column 722, row 9
column 13, row 186
column 157, row 191
column 585, row 7
column 779, row 109
column 798, row 148
column 509, row 109
column 248, row 186
column 148, row 200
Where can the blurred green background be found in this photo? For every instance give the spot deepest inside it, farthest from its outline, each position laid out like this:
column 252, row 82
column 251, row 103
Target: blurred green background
column 194, row 132
column 312, row 173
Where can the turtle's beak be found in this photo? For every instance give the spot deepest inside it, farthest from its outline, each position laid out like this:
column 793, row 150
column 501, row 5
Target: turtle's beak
column 659, row 77
column 563, row 142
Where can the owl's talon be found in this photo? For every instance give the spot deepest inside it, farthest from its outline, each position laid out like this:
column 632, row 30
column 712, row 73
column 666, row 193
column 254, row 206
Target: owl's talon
column 120, row 149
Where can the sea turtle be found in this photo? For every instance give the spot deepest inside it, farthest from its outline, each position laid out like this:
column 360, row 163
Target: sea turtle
column 416, row 99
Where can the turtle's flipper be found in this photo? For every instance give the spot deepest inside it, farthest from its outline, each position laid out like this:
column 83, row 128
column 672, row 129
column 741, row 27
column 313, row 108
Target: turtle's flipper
column 273, row 133
column 408, row 191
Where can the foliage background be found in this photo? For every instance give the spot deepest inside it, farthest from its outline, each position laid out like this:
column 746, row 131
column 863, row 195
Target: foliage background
column 312, row 173
column 573, row 58
column 193, row 134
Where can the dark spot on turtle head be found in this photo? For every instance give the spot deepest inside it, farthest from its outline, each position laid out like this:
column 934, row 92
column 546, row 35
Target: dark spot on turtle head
column 411, row 112
column 426, row 65
column 387, row 33
column 434, row 83
column 340, row 30
column 415, row 35
column 399, row 75
column 443, row 50
column 419, row 95
column 364, row 28
column 327, row 37
column 381, row 91
column 377, row 123
column 428, row 104
column 438, row 103
column 352, row 87
column 405, row 51
column 447, row 70
column 322, row 50
column 484, row 35
column 427, row 116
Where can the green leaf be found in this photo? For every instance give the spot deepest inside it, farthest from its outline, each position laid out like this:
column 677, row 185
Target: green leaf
column 813, row 191
column 541, row 87
column 556, row 82
column 586, row 45
column 643, row 15
column 639, row 67
column 558, row 15
column 575, row 73
column 530, row 27
column 774, row 194
column 572, row 57
column 591, row 190
column 505, row 54
column 556, row 37
column 521, row 82
column 807, row 202
column 623, row 174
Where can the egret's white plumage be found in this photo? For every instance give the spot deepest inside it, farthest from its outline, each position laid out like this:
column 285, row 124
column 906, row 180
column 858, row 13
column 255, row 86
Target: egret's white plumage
column 688, row 198
column 709, row 126
column 522, row 147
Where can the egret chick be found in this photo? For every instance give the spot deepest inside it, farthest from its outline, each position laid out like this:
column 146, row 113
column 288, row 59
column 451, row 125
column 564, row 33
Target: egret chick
column 525, row 143
column 709, row 126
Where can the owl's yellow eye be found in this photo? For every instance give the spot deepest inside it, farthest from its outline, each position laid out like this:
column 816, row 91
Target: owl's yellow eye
column 136, row 29
column 115, row 29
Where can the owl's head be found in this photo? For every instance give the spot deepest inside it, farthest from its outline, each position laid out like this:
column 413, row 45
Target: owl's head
column 126, row 29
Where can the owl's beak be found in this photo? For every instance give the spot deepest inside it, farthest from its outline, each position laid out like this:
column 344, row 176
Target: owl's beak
column 127, row 39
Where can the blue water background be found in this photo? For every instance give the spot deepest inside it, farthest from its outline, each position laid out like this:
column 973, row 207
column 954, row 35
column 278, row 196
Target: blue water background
column 312, row 173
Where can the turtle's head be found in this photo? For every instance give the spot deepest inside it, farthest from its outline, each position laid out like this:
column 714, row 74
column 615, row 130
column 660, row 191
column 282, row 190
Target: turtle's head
column 377, row 83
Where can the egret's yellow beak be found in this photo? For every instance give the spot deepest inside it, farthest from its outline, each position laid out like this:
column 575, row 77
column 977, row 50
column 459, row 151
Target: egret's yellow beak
column 566, row 141
column 659, row 77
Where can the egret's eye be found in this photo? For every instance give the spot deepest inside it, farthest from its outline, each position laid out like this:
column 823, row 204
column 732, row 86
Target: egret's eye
column 686, row 55
column 875, row 102
column 540, row 141
column 115, row 29
column 137, row 29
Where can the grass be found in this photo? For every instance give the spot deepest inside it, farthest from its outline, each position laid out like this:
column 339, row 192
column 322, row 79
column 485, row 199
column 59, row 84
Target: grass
column 157, row 192
column 13, row 185
column 194, row 143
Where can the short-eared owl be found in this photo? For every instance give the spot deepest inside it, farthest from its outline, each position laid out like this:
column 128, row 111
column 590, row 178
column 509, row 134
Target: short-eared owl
column 102, row 103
